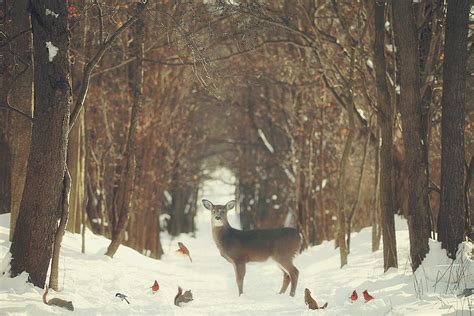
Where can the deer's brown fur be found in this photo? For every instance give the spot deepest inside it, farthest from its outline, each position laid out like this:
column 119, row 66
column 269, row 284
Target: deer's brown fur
column 240, row 247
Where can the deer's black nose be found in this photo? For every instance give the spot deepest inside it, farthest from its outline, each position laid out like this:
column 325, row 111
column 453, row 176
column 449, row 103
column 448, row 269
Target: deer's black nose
column 218, row 218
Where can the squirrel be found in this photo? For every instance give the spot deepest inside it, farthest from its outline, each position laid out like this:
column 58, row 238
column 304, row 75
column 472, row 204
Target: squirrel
column 57, row 301
column 182, row 298
column 311, row 302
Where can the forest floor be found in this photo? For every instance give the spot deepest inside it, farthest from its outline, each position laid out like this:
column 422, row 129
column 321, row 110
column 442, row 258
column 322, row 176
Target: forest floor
column 91, row 280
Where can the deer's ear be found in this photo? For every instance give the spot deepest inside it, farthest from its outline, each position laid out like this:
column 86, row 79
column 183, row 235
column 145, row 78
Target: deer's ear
column 230, row 205
column 207, row 204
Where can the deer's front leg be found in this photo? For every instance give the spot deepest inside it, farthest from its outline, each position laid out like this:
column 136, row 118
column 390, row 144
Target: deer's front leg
column 239, row 275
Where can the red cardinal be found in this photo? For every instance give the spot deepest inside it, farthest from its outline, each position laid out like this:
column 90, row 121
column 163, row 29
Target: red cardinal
column 354, row 296
column 367, row 296
column 311, row 302
column 155, row 287
column 183, row 250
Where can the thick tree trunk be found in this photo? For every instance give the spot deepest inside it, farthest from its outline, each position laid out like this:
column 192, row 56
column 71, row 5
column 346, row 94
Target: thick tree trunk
column 40, row 207
column 21, row 98
column 411, row 113
column 127, row 178
column 451, row 224
column 385, row 121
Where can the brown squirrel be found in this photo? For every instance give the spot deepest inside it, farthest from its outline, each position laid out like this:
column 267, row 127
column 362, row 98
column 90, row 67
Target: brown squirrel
column 311, row 302
column 57, row 301
column 182, row 298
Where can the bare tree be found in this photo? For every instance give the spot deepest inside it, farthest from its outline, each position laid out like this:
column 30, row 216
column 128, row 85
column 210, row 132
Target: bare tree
column 414, row 135
column 451, row 220
column 40, row 209
column 125, row 191
column 385, row 121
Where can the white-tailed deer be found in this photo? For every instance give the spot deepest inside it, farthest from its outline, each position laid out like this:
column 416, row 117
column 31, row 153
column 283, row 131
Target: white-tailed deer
column 240, row 247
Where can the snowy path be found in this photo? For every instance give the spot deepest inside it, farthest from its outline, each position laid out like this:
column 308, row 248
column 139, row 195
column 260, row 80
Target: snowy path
column 92, row 280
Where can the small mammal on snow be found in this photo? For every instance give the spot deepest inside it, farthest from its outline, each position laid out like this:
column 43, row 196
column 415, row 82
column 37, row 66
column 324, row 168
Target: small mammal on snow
column 57, row 301
column 182, row 297
column 311, row 302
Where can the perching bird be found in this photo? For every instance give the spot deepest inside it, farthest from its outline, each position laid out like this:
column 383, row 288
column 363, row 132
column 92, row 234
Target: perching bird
column 155, row 287
column 123, row 297
column 354, row 296
column 367, row 296
column 183, row 250
column 311, row 302
column 182, row 297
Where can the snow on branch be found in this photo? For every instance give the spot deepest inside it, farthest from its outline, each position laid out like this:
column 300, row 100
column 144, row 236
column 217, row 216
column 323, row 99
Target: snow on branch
column 52, row 50
column 265, row 141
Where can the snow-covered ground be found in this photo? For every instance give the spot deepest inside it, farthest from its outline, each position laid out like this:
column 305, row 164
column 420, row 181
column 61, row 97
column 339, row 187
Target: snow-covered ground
column 91, row 280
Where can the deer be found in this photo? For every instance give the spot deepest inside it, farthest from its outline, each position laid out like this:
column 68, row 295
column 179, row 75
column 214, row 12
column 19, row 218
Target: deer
column 240, row 247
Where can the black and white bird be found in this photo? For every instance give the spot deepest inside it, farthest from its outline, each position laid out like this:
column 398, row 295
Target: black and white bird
column 123, row 297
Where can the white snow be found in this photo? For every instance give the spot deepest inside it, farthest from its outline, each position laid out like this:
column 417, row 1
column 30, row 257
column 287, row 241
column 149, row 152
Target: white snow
column 369, row 63
column 361, row 113
column 265, row 141
column 290, row 175
column 49, row 12
column 91, row 280
column 52, row 50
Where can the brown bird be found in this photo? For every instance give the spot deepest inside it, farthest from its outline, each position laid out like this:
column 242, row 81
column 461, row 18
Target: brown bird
column 311, row 302
column 367, row 296
column 155, row 287
column 183, row 250
column 354, row 296
column 182, row 297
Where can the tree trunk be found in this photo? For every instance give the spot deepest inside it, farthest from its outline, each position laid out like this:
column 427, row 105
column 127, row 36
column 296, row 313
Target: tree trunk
column 127, row 178
column 411, row 113
column 355, row 205
column 341, row 214
column 58, row 238
column 76, row 166
column 451, row 224
column 375, row 216
column 31, row 248
column 21, row 97
column 385, row 121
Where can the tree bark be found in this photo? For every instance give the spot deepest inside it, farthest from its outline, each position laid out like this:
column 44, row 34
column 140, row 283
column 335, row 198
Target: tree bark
column 76, row 166
column 375, row 216
column 411, row 113
column 127, row 178
column 385, row 121
column 58, row 238
column 21, row 98
column 40, row 207
column 451, row 222
column 341, row 214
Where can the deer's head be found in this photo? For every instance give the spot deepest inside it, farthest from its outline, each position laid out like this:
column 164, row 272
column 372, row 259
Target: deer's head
column 218, row 212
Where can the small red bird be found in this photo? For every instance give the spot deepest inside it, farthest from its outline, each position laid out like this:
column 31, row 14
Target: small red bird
column 311, row 302
column 367, row 296
column 354, row 296
column 155, row 287
column 183, row 250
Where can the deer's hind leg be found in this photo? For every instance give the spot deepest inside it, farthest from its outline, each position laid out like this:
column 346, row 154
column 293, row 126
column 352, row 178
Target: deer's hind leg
column 289, row 269
column 286, row 282
column 294, row 273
